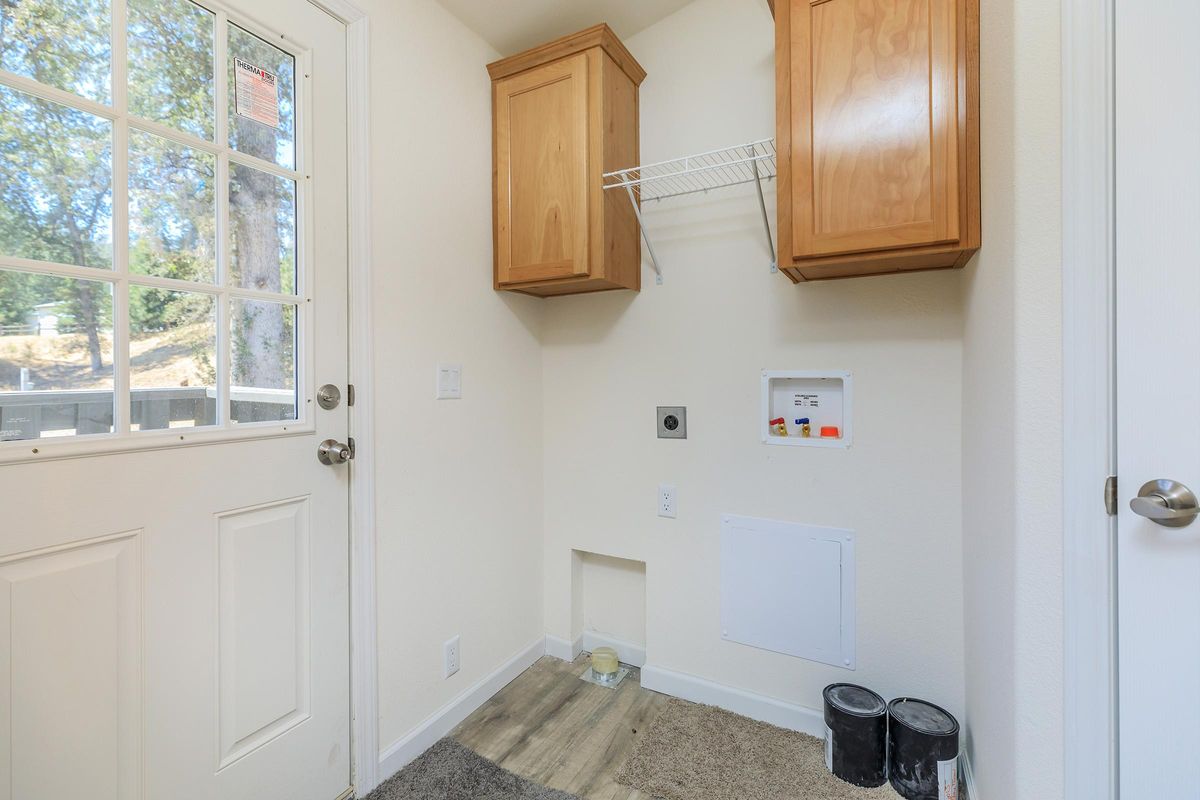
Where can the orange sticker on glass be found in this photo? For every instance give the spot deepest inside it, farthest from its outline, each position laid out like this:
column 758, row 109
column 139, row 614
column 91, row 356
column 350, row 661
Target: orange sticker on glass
column 256, row 93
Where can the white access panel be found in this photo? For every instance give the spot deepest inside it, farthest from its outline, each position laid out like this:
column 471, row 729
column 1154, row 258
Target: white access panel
column 788, row 588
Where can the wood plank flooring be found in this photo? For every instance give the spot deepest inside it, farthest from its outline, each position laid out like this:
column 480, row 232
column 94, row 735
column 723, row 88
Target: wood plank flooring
column 557, row 730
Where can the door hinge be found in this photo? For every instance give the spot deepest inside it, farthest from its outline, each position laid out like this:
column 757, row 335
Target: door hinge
column 350, row 394
column 1110, row 495
column 351, row 445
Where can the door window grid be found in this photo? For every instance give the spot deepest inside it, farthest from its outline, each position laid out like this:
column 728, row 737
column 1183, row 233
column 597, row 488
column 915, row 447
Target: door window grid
column 224, row 290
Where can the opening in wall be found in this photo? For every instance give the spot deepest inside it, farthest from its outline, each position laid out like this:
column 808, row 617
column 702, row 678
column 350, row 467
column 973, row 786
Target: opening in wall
column 610, row 599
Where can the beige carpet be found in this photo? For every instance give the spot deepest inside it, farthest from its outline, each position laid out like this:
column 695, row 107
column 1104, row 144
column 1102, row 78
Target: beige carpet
column 695, row 752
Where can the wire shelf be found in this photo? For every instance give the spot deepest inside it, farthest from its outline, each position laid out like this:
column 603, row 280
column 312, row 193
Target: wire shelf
column 730, row 166
column 716, row 169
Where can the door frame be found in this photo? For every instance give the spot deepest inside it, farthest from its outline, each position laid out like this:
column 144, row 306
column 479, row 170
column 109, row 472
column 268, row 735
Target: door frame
column 364, row 673
column 1089, row 400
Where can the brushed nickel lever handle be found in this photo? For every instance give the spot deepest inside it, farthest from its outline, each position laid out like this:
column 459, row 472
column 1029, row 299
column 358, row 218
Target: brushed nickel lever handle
column 1166, row 502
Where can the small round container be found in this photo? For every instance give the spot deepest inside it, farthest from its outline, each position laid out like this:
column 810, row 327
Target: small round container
column 604, row 662
column 855, row 734
column 922, row 750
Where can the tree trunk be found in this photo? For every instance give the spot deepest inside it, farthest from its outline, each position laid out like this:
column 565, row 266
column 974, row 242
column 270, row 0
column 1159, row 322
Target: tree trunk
column 262, row 360
column 85, row 295
column 85, row 298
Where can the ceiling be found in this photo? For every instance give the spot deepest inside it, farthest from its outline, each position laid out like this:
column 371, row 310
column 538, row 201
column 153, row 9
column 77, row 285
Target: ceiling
column 511, row 26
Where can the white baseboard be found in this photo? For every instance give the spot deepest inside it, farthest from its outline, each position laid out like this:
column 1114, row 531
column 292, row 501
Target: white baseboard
column 397, row 755
column 562, row 649
column 627, row 652
column 966, row 776
column 748, row 704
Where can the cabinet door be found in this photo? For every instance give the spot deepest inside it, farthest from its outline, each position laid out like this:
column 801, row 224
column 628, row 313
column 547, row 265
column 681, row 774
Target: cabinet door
column 874, row 125
column 541, row 173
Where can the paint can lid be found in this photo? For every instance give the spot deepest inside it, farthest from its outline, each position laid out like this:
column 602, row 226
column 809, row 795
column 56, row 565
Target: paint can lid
column 922, row 717
column 855, row 700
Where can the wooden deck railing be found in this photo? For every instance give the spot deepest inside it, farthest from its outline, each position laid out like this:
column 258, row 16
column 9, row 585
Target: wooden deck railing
column 33, row 415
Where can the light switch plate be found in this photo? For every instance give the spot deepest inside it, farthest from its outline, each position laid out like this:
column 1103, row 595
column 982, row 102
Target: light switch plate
column 672, row 422
column 449, row 381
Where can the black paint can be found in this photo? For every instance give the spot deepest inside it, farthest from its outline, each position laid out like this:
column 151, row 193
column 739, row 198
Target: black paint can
column 855, row 734
column 922, row 750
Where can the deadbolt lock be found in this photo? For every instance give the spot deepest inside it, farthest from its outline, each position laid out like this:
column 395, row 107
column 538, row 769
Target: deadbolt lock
column 328, row 396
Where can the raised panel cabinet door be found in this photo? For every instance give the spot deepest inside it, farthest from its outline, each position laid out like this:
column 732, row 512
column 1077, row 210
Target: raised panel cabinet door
column 874, row 125
column 542, row 173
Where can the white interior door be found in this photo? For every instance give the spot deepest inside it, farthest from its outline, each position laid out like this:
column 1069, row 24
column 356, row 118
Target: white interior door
column 173, row 558
column 1158, row 393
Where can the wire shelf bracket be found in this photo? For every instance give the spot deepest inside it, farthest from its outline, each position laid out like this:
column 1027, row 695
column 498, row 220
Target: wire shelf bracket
column 731, row 166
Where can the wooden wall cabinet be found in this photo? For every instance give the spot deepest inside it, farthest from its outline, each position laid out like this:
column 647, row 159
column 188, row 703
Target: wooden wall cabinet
column 563, row 114
column 877, row 115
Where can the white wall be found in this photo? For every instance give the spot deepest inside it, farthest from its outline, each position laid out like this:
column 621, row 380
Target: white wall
column 459, row 482
column 701, row 340
column 1012, row 451
column 612, row 597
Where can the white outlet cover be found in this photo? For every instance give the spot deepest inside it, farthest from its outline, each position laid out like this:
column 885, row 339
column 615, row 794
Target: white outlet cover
column 668, row 501
column 449, row 381
column 451, row 657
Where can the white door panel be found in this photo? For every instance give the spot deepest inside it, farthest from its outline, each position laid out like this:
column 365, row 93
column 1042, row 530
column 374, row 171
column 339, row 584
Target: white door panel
column 262, row 624
column 174, row 623
column 70, row 689
column 1158, row 390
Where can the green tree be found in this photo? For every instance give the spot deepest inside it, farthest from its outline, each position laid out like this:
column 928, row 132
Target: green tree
column 55, row 162
column 56, row 184
column 19, row 294
column 56, row 173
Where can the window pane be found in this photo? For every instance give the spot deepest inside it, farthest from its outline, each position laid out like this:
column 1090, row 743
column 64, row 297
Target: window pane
column 172, row 358
column 172, row 209
column 262, row 221
column 61, row 43
column 264, row 361
column 56, row 363
column 55, row 182
column 171, row 64
column 262, row 88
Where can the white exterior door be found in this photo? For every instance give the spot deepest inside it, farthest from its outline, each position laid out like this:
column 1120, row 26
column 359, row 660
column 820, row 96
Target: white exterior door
column 174, row 614
column 1158, row 393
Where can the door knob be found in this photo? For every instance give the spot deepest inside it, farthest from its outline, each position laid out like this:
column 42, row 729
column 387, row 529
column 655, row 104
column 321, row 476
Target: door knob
column 1167, row 502
column 331, row 451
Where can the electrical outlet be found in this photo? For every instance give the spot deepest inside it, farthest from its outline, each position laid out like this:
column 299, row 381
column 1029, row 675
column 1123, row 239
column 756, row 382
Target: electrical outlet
column 666, row 500
column 450, row 660
column 672, row 422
